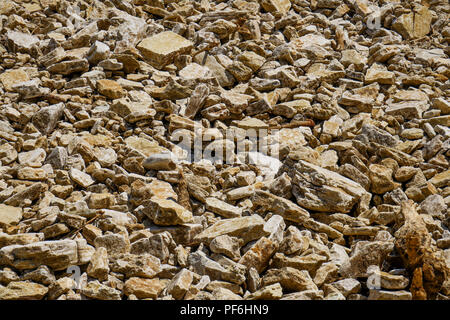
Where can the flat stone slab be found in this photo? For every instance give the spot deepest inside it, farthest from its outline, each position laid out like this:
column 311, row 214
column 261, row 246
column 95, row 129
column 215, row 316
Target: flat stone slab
column 162, row 48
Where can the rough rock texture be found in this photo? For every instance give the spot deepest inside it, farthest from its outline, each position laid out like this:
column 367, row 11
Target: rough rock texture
column 241, row 149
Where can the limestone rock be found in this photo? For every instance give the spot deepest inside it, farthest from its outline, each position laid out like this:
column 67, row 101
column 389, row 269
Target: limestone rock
column 162, row 48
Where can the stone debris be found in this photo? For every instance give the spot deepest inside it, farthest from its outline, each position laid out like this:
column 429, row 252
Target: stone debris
column 236, row 150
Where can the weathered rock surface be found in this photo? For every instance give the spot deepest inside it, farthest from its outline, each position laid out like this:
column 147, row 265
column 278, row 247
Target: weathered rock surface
column 270, row 149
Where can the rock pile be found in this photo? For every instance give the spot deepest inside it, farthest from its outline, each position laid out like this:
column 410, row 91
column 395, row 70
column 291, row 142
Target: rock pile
column 129, row 168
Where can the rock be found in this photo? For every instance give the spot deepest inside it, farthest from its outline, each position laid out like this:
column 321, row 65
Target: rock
column 115, row 244
column 144, row 288
column 203, row 265
column 110, row 89
column 45, row 120
column 290, row 279
column 58, row 254
column 96, row 290
column 272, row 292
column 99, row 51
column 259, row 254
column 225, row 294
column 388, row 281
column 434, row 205
column 378, row 73
column 166, row 212
column 381, row 179
column 98, row 267
column 179, row 285
column 389, row 295
column 408, row 109
column 19, row 41
column 159, row 161
column 11, row 77
column 197, row 100
column 279, row 6
column 420, row 257
column 415, row 24
column 144, row 266
column 222, row 208
column 10, row 215
column 30, row 89
column 441, row 179
column 114, row 121
column 81, row 178
column 365, row 254
column 347, row 286
column 23, row 290
column 278, row 205
column 229, row 246
column 162, row 48
column 20, row 238
column 235, row 102
column 69, row 67
column 337, row 193
column 25, row 196
column 245, row 228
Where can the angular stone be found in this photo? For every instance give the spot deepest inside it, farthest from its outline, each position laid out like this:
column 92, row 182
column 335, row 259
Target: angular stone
column 30, row 89
column 419, row 255
column 131, row 265
column 115, row 244
column 365, row 254
column 271, row 292
column 278, row 205
column 167, row 212
column 337, row 193
column 378, row 73
column 96, row 290
column 159, row 161
column 245, row 228
column 381, row 179
column 58, row 254
column 99, row 51
column 203, row 265
column 408, row 109
column 441, row 179
column 222, row 208
column 180, row 284
column 46, row 119
column 388, row 281
column 10, row 215
column 279, row 6
column 20, row 238
column 290, row 279
column 69, row 67
column 347, row 286
column 19, row 41
column 415, row 24
column 236, row 102
column 144, row 288
column 110, row 89
column 161, row 49
column 98, row 267
column 12, row 77
column 389, row 295
column 259, row 254
column 81, row 178
column 229, row 246
column 30, row 193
